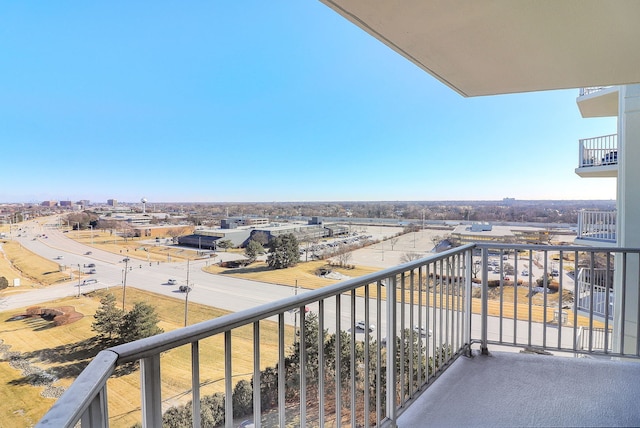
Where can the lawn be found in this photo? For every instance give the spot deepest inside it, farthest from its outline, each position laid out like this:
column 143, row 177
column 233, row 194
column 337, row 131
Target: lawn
column 65, row 350
column 32, row 269
column 303, row 274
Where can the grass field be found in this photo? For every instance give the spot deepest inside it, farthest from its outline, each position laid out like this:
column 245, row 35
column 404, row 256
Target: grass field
column 65, row 350
column 32, row 269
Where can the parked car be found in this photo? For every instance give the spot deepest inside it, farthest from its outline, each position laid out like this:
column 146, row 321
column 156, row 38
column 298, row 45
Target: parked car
column 91, row 265
column 92, row 271
column 525, row 273
column 88, row 253
column 172, row 281
column 360, row 325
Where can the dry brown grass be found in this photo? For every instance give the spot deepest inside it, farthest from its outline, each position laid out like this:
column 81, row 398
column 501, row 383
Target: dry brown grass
column 303, row 274
column 65, row 350
column 32, row 269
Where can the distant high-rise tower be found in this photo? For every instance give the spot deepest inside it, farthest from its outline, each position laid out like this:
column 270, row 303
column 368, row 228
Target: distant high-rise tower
column 144, row 205
column 112, row 202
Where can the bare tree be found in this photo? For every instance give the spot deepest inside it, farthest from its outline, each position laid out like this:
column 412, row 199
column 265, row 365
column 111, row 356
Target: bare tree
column 174, row 232
column 410, row 256
column 344, row 258
column 393, row 241
column 475, row 269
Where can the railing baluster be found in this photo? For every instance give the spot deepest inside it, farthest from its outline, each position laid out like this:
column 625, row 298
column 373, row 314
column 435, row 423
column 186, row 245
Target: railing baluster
column 228, row 377
column 367, row 358
column 421, row 326
column 390, row 284
column 281, row 374
column 321, row 364
column 403, row 339
column 379, row 408
column 151, row 391
column 303, row 367
column 195, row 383
column 338, row 363
column 412, row 336
column 484, row 347
column 257, row 397
column 97, row 412
column 352, row 353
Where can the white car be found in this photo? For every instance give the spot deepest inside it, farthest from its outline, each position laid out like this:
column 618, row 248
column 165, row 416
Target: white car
column 172, row 281
column 525, row 273
column 360, row 325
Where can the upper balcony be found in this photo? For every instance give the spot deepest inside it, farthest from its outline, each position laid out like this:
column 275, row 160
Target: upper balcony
column 600, row 101
column 414, row 348
column 598, row 157
column 596, row 227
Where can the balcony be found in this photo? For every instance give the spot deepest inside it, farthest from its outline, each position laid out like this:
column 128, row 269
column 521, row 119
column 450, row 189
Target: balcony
column 600, row 101
column 442, row 343
column 598, row 157
column 596, row 227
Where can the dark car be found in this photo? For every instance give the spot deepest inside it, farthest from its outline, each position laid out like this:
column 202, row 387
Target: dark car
column 184, row 289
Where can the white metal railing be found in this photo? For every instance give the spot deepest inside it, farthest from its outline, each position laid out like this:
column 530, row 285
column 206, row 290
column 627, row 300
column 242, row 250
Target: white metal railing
column 598, row 151
column 426, row 314
column 597, row 225
column 592, row 90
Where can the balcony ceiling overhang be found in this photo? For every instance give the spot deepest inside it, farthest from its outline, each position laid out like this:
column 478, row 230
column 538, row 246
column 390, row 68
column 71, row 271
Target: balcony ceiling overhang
column 489, row 47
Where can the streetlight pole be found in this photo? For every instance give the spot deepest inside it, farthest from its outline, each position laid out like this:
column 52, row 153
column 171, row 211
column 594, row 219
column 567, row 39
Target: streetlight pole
column 124, row 281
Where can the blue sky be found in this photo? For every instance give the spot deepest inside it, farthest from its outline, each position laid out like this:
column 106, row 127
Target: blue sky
column 258, row 101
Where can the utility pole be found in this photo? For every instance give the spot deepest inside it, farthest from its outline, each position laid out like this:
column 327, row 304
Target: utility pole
column 124, row 281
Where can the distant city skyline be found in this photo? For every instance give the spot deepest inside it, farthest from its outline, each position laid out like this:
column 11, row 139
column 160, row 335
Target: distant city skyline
column 260, row 102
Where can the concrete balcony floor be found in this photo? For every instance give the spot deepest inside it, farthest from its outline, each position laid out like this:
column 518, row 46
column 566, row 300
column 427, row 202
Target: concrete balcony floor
column 510, row 389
